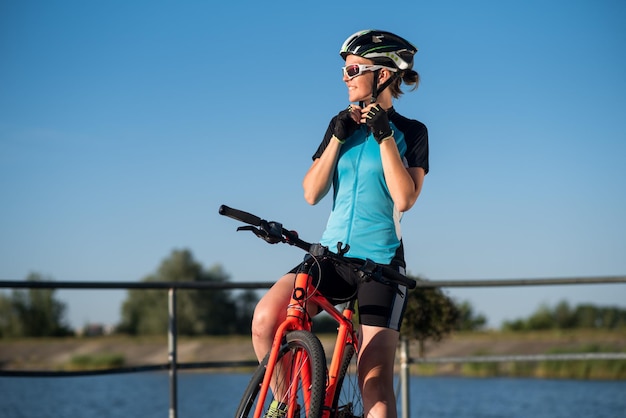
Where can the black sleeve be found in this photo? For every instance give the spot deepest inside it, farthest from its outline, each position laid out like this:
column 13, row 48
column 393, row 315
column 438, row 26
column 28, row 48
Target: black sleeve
column 416, row 137
column 417, row 151
column 327, row 136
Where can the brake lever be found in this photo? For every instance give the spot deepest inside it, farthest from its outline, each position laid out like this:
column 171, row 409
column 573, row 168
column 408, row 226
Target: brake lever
column 250, row 228
column 371, row 271
column 270, row 232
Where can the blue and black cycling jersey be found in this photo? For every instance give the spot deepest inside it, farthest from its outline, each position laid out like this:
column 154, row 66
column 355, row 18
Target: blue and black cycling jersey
column 363, row 214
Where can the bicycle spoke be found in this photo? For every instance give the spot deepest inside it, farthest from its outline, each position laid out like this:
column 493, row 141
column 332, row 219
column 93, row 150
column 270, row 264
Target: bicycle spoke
column 348, row 402
column 299, row 379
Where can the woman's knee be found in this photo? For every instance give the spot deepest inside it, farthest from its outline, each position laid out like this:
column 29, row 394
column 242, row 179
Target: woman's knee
column 377, row 358
column 263, row 321
column 271, row 309
column 375, row 376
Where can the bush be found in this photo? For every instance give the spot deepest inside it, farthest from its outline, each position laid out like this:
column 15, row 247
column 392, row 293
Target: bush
column 97, row 361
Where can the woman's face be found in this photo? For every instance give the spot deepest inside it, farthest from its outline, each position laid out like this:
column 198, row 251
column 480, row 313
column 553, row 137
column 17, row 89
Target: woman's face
column 359, row 87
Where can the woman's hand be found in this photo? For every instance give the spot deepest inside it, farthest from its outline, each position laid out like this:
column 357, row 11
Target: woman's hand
column 376, row 119
column 346, row 123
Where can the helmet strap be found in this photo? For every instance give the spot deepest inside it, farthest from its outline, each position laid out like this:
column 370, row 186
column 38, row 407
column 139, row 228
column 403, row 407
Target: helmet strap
column 376, row 91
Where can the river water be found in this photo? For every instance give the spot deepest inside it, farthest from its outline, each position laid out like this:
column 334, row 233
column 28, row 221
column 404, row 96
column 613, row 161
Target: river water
column 202, row 395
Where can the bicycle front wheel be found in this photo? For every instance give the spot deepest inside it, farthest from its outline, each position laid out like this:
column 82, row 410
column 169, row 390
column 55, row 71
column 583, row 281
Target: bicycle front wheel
column 348, row 402
column 299, row 379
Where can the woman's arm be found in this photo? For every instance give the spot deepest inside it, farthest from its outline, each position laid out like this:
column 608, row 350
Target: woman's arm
column 405, row 184
column 319, row 177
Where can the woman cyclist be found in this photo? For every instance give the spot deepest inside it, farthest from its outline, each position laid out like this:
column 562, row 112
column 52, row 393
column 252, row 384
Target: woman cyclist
column 376, row 160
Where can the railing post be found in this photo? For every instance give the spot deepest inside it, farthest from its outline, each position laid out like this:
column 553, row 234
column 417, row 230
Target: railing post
column 405, row 377
column 171, row 344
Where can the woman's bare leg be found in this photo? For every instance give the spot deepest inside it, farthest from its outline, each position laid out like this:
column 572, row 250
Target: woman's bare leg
column 376, row 367
column 269, row 313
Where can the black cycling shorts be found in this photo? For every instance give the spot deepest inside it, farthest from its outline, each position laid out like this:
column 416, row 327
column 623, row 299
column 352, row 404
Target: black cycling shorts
column 379, row 304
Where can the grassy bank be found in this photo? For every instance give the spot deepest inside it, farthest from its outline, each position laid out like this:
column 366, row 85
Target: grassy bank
column 94, row 362
column 553, row 369
column 116, row 351
column 530, row 343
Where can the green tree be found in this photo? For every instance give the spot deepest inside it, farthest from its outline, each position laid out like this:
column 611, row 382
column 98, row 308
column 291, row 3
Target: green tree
column 515, row 325
column 586, row 316
column 9, row 322
column 430, row 314
column 199, row 312
column 468, row 319
column 33, row 312
column 565, row 317
column 613, row 318
column 542, row 319
column 245, row 302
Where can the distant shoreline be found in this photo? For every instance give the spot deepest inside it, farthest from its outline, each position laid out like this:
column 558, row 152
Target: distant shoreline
column 60, row 353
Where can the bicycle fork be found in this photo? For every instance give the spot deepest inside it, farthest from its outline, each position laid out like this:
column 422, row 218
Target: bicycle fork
column 297, row 319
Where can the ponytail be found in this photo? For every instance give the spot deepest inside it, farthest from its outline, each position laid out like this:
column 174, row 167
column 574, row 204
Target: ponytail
column 408, row 77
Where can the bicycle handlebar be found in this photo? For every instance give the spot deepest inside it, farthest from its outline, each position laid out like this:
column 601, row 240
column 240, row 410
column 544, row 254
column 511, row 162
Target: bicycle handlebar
column 273, row 232
column 240, row 215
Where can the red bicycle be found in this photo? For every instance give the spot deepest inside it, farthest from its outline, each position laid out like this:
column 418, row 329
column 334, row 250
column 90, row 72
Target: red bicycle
column 295, row 371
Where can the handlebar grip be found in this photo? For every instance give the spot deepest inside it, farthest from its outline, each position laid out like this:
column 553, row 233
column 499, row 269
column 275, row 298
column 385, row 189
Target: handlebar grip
column 399, row 278
column 240, row 215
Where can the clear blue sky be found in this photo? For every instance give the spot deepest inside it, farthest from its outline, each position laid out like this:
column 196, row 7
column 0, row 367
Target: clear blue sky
column 124, row 126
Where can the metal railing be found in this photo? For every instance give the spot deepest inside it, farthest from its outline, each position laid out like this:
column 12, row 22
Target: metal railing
column 173, row 366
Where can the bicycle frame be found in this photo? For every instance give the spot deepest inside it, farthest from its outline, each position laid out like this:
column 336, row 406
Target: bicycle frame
column 304, row 292
column 298, row 321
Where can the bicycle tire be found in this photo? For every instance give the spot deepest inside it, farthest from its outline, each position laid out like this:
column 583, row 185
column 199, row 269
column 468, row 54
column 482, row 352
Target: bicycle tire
column 295, row 342
column 348, row 402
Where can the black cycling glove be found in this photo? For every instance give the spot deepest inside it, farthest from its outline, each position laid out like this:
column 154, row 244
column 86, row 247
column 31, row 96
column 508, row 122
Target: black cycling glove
column 344, row 125
column 378, row 122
